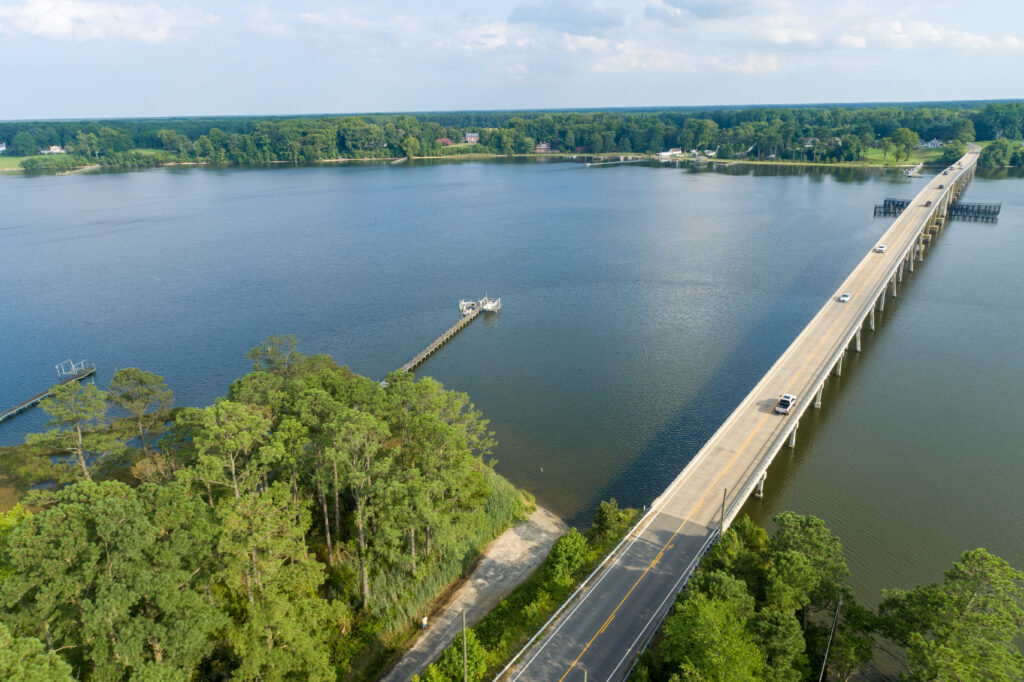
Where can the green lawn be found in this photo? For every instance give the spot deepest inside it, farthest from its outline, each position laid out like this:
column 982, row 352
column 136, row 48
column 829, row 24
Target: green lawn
column 9, row 162
column 928, row 156
column 147, row 152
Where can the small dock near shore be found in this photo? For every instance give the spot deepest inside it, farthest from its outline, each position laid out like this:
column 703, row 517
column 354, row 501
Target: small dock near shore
column 66, row 372
column 469, row 310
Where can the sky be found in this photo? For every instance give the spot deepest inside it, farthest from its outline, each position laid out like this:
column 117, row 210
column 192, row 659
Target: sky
column 116, row 58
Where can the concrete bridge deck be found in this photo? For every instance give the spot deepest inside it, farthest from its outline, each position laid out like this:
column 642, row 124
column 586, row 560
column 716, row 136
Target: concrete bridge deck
column 602, row 628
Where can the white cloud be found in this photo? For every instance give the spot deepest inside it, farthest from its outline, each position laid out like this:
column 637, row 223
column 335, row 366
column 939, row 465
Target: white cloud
column 569, row 16
column 483, row 37
column 856, row 42
column 263, row 20
column 79, row 20
column 917, row 34
column 751, row 65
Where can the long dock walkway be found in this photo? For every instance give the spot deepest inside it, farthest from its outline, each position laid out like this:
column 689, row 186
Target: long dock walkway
column 440, row 341
column 601, row 629
column 35, row 400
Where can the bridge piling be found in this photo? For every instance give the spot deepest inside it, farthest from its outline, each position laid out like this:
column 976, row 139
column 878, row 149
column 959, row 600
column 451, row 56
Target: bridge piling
column 872, row 316
column 817, row 397
column 858, row 337
column 792, row 434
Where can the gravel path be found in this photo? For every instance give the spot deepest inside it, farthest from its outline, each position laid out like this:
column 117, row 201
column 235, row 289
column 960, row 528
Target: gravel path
column 506, row 562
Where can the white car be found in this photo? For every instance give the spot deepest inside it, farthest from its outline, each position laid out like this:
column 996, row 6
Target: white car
column 785, row 404
column 843, row 298
column 880, row 248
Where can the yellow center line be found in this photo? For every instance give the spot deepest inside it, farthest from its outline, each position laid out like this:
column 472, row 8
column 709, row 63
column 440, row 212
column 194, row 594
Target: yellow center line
column 714, row 485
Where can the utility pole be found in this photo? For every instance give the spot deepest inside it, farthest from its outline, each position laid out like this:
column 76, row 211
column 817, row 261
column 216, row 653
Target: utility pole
column 465, row 667
column 721, row 521
column 835, row 620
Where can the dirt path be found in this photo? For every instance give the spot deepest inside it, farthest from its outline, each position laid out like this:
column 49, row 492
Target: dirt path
column 506, row 562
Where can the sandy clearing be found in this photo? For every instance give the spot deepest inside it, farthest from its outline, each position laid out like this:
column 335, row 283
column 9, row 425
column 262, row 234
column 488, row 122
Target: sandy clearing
column 506, row 562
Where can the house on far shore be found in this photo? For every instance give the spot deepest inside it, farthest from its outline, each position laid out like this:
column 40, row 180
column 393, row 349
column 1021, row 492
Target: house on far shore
column 930, row 144
column 445, row 142
column 54, row 149
column 542, row 148
column 3, row 147
column 675, row 151
column 471, row 138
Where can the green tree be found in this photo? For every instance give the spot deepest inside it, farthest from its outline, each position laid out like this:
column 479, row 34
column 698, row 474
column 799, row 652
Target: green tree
column 568, row 554
column 906, row 140
column 145, row 397
column 113, row 576
column 8, row 521
column 276, row 355
column 810, row 536
column 708, row 639
column 966, row 628
column 449, row 667
column 23, row 144
column 79, row 412
column 996, row 154
column 791, row 579
column 25, row 658
column 411, row 146
column 780, row 638
column 887, row 147
column 282, row 625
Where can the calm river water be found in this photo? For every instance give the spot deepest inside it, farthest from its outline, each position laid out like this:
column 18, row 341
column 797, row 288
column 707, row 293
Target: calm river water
column 640, row 305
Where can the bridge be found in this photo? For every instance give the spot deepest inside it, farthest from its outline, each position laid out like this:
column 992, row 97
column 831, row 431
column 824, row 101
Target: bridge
column 600, row 630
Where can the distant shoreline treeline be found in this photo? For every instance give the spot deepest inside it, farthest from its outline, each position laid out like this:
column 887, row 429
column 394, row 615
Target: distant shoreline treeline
column 811, row 133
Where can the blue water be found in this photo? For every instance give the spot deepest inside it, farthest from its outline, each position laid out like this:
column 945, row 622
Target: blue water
column 640, row 303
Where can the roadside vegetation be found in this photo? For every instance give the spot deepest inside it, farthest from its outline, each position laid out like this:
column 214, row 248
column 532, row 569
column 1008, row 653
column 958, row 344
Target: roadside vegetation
column 762, row 608
column 295, row 529
column 502, row 633
column 887, row 134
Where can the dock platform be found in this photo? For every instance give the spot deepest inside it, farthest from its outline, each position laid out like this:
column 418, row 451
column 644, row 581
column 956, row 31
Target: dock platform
column 35, row 400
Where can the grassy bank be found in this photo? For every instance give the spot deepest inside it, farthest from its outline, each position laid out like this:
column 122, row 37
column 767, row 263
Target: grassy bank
column 11, row 163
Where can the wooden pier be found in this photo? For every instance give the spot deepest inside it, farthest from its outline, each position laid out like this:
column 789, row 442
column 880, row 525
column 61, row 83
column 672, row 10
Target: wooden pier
column 966, row 210
column 963, row 210
column 34, row 400
column 440, row 341
column 891, row 207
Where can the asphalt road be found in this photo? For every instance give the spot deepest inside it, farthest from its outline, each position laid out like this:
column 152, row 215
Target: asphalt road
column 609, row 621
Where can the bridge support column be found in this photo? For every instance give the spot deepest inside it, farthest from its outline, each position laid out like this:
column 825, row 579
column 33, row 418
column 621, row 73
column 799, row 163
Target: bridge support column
column 839, row 365
column 872, row 318
column 881, row 301
column 858, row 339
column 817, row 397
column 894, row 285
column 792, row 434
column 899, row 272
column 759, row 490
column 912, row 256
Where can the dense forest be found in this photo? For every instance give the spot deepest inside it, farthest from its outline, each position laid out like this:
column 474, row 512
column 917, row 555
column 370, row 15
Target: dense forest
column 294, row 529
column 811, row 133
column 777, row 608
